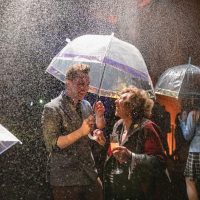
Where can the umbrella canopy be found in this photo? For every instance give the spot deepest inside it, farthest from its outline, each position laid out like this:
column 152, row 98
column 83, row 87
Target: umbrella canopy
column 7, row 139
column 181, row 81
column 114, row 64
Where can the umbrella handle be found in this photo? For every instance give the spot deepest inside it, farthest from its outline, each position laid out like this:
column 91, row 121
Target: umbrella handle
column 101, row 81
column 189, row 60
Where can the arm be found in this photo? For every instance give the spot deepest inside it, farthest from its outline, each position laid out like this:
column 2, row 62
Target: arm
column 51, row 123
column 188, row 128
column 152, row 145
column 99, row 110
column 51, row 127
column 152, row 148
column 67, row 140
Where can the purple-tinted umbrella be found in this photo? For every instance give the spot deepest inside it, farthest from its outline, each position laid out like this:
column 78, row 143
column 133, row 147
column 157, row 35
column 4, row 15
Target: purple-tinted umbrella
column 114, row 64
column 7, row 139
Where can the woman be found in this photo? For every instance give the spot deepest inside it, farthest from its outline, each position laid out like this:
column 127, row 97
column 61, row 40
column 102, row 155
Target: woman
column 181, row 154
column 140, row 154
column 181, row 151
column 191, row 132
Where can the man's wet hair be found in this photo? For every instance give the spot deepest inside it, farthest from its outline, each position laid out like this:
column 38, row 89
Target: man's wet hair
column 74, row 70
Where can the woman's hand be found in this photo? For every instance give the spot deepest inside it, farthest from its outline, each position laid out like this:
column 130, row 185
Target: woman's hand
column 122, row 154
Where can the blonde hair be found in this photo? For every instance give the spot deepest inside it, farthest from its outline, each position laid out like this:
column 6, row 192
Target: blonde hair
column 139, row 102
column 74, row 70
column 196, row 110
column 196, row 116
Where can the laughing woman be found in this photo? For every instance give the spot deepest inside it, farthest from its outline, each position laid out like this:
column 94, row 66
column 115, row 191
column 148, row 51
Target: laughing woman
column 140, row 156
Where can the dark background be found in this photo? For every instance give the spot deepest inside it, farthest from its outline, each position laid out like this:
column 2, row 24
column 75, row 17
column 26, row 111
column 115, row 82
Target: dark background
column 32, row 32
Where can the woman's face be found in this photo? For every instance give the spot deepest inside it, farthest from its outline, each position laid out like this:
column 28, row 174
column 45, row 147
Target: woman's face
column 184, row 115
column 122, row 110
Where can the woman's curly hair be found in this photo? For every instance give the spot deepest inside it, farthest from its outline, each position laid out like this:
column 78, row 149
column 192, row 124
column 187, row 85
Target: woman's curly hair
column 139, row 103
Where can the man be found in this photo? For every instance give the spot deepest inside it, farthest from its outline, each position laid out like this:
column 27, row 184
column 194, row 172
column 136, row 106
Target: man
column 67, row 120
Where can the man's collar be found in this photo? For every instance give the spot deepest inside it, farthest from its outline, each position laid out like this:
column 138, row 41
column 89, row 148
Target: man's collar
column 69, row 99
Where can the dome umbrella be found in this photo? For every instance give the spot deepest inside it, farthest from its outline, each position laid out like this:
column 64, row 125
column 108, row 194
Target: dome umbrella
column 114, row 64
column 180, row 82
column 7, row 139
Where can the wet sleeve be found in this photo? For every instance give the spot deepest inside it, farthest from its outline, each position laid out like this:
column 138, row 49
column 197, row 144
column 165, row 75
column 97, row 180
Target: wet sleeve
column 153, row 149
column 138, row 160
column 152, row 141
column 51, row 127
column 188, row 128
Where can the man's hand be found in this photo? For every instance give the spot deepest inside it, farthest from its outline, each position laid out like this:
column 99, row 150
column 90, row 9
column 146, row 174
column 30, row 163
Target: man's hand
column 87, row 125
column 99, row 109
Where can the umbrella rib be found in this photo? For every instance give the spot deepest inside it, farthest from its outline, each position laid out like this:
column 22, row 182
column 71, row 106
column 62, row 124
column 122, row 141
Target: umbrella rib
column 7, row 147
column 182, row 81
column 104, row 67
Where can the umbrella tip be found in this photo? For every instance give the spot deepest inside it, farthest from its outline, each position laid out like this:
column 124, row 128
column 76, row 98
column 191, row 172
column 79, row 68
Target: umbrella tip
column 189, row 60
column 68, row 40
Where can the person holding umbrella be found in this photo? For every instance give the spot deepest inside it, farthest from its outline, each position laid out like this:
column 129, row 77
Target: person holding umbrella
column 191, row 132
column 67, row 120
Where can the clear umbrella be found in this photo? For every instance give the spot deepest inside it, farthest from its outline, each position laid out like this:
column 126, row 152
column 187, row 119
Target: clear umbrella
column 114, row 64
column 181, row 82
column 7, row 139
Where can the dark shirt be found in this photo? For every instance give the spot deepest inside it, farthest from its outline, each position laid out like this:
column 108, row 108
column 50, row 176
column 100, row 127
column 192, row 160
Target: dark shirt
column 147, row 165
column 73, row 165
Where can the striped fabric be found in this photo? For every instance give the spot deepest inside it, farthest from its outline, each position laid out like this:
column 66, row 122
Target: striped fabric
column 192, row 168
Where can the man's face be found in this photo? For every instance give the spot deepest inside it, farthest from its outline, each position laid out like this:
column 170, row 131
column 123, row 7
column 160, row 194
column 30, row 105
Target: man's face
column 79, row 86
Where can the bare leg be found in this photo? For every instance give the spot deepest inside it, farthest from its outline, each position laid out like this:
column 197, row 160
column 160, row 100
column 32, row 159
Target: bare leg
column 191, row 189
